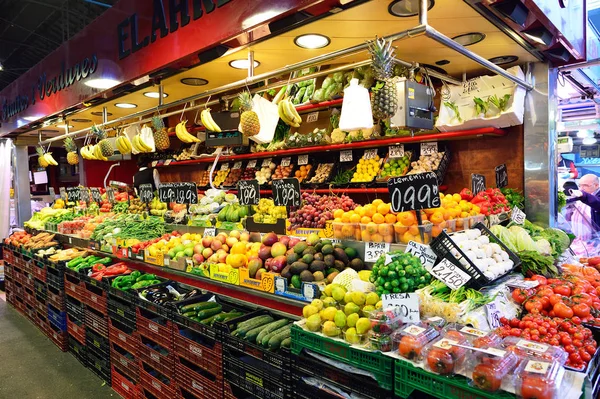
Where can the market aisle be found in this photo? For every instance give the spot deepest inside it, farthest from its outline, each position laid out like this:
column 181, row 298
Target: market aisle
column 32, row 367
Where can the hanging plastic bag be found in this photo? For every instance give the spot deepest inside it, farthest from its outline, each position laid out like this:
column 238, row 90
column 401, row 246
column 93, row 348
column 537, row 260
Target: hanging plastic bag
column 356, row 108
column 148, row 137
column 268, row 117
column 130, row 132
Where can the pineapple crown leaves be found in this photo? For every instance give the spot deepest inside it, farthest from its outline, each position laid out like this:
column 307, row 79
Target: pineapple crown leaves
column 98, row 132
column 382, row 54
column 245, row 100
column 70, row 145
column 157, row 123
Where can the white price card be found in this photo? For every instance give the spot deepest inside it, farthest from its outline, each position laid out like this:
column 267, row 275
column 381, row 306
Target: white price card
column 346, row 156
column 251, row 164
column 493, row 314
column 396, row 151
column 237, row 165
column 224, row 166
column 280, row 284
column 168, row 162
column 423, row 252
column 310, row 291
column 209, row 232
column 405, row 305
column 518, row 216
column 266, row 162
column 370, row 154
column 449, row 274
column 286, row 161
column 303, row 159
column 312, row 117
column 373, row 250
column 429, row 148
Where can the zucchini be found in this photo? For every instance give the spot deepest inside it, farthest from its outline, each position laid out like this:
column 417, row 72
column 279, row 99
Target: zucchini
column 259, row 321
column 267, row 337
column 206, row 313
column 275, row 341
column 189, row 313
column 198, row 306
column 270, row 328
column 286, row 343
column 253, row 320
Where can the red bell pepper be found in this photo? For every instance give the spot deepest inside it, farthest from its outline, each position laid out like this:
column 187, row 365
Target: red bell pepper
column 466, row 194
column 97, row 267
column 484, row 207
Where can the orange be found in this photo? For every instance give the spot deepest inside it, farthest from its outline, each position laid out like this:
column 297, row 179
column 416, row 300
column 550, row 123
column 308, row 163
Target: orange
column 390, row 218
column 406, row 237
column 399, row 229
column 337, row 220
column 437, row 217
column 383, row 208
column 337, row 234
column 385, row 229
column 370, row 210
column 355, row 218
column 389, row 238
column 376, row 237
column 346, row 218
column 360, row 210
column 338, row 213
column 377, row 202
column 456, row 197
column 348, row 230
column 413, row 230
column 365, row 235
column 378, row 218
column 372, row 228
column 406, row 218
column 365, row 220
column 429, row 211
column 436, row 230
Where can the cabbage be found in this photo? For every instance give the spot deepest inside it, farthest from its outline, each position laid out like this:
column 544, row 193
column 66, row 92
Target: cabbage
column 505, row 236
column 543, row 246
column 523, row 239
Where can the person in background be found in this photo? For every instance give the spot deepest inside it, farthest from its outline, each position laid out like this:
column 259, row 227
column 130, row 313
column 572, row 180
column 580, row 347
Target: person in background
column 145, row 175
column 585, row 214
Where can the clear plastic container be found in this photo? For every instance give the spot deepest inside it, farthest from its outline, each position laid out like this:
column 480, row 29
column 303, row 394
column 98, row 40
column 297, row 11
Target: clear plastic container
column 443, row 357
column 346, row 231
column 381, row 342
column 385, row 321
column 450, row 226
column 437, row 322
column 477, row 338
column 373, row 232
column 489, row 369
column 413, row 338
column 535, row 378
column 532, row 349
column 413, row 233
column 473, row 220
column 354, row 338
column 461, row 224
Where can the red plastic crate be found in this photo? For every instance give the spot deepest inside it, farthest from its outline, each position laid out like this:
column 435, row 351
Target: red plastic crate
column 123, row 386
column 60, row 338
column 39, row 273
column 126, row 365
column 154, row 386
column 125, row 339
column 29, row 297
column 227, row 391
column 76, row 330
column 197, row 381
column 164, row 363
column 95, row 300
column 40, row 306
column 73, row 287
column 56, row 298
column 162, row 334
column 28, row 281
column 96, row 321
column 201, row 350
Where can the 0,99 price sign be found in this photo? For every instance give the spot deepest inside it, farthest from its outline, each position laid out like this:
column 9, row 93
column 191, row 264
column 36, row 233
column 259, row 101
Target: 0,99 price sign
column 74, row 194
column 286, row 192
column 414, row 192
column 146, row 194
column 248, row 192
column 180, row 193
column 449, row 274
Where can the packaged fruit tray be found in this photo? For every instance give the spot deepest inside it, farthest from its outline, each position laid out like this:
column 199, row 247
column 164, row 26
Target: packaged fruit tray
column 367, row 168
column 395, row 167
column 323, row 173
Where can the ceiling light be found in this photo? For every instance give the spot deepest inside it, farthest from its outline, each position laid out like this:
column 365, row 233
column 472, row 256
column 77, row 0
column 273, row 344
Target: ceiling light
column 406, row 8
column 312, row 41
column 583, row 133
column 194, row 81
column 30, row 118
column 503, row 59
column 1, row 67
column 468, row 39
column 155, row 94
column 540, row 36
column 99, row 113
column 442, row 62
column 81, row 120
column 242, row 64
column 63, row 126
column 101, row 83
column 589, row 141
column 125, row 105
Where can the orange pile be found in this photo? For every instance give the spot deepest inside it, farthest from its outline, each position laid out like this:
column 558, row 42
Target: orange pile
column 372, row 222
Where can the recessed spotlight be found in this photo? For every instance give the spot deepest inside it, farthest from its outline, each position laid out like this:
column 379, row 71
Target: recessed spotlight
column 125, row 105
column 81, row 120
column 31, row 118
column 312, row 41
column 503, row 59
column 589, row 141
column 101, row 83
column 468, row 39
column 155, row 94
column 194, row 81
column 63, row 126
column 242, row 64
column 99, row 113
column 406, row 8
column 442, row 62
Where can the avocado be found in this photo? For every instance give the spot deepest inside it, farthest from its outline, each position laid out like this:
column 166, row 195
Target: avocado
column 296, row 282
column 318, row 246
column 329, row 260
column 338, row 246
column 309, row 251
column 298, row 267
column 341, row 255
column 317, row 266
column 351, row 252
column 357, row 264
column 308, row 258
column 307, row 276
column 318, row 276
column 319, row 256
column 338, row 264
column 286, row 272
column 327, row 249
column 291, row 258
column 300, row 247
column 326, row 241
column 331, row 270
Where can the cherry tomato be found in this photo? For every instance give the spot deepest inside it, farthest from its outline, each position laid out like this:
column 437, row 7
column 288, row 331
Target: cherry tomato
column 514, row 322
column 577, row 343
column 566, row 341
column 504, row 321
column 576, row 320
column 534, row 306
column 569, row 348
column 590, row 349
column 542, row 280
column 574, row 357
column 519, row 295
column 586, row 357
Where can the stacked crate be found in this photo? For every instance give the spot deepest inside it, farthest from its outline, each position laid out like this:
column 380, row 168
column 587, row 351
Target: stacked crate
column 96, row 327
column 41, row 296
column 75, row 315
column 55, row 298
column 9, row 276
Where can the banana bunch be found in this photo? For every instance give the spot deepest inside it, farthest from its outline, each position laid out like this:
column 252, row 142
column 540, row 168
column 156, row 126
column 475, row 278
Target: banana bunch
column 124, row 145
column 87, row 152
column 98, row 154
column 184, row 135
column 50, row 159
column 208, row 121
column 139, row 144
column 288, row 114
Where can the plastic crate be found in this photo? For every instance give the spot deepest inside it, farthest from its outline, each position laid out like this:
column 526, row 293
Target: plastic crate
column 75, row 308
column 96, row 321
column 73, row 286
column 41, row 306
column 155, row 323
column 123, row 385
column 198, row 382
column 121, row 310
column 28, row 296
column 55, row 278
column 122, row 335
column 56, row 298
column 78, row 350
column 380, row 365
column 41, row 320
column 40, row 289
column 60, row 338
column 97, row 343
column 153, row 382
column 39, row 271
column 159, row 357
column 30, row 312
column 94, row 295
column 28, row 280
column 57, row 318
column 255, row 377
column 76, row 329
column 125, row 361
column 356, row 384
column 100, row 365
column 443, row 246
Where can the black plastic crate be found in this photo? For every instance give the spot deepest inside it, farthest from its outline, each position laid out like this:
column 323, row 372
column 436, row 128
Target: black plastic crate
column 121, row 311
column 99, row 364
column 96, row 321
column 443, row 246
column 95, row 342
column 78, row 350
column 251, row 375
column 56, row 297
column 75, row 308
column 55, row 278
column 40, row 289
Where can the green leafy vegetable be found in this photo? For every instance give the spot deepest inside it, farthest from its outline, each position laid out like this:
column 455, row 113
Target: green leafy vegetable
column 562, row 200
column 534, row 262
column 453, row 107
column 514, row 198
column 500, row 103
column 481, row 107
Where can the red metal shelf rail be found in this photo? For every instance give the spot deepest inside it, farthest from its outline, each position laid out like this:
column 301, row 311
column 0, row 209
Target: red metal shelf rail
column 366, row 190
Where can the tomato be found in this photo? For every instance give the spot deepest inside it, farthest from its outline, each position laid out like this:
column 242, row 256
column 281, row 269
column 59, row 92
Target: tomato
column 533, row 306
column 563, row 290
column 504, row 321
column 590, row 349
column 554, row 299
column 545, row 291
column 577, row 343
column 519, row 295
column 542, row 280
column 486, row 378
column 576, row 320
column 566, row 340
column 409, row 347
column 534, row 387
column 569, row 348
column 514, row 322
column 440, row 361
column 483, row 342
column 515, row 332
column 574, row 357
column 563, row 311
column 583, row 298
column 544, row 301
column 581, row 310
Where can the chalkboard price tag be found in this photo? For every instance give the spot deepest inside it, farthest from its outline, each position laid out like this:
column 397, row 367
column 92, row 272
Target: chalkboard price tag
column 404, row 305
column 237, row 165
column 373, row 250
column 477, row 183
column 501, row 176
column 303, row 159
column 346, row 156
column 423, row 252
column 251, row 164
column 63, row 193
column 224, row 166
column 449, row 274
column 180, row 193
column 396, row 151
column 286, row 161
column 286, row 192
column 146, row 193
column 74, row 194
column 110, row 195
column 429, row 148
column 96, row 196
column 370, row 154
column 518, row 216
column 414, row 192
column 248, row 192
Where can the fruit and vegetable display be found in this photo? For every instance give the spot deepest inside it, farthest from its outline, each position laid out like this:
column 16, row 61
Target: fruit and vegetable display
column 367, row 169
column 393, row 167
column 316, row 209
column 403, row 274
column 266, row 212
column 206, row 312
column 426, row 163
column 265, row 331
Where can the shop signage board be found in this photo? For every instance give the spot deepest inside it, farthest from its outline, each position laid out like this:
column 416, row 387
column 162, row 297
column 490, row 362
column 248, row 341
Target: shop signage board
column 405, row 306
column 477, row 183
column 248, row 192
column 413, row 192
column 96, row 196
column 286, row 192
column 74, row 194
column 146, row 194
column 501, row 176
column 63, row 193
column 181, row 193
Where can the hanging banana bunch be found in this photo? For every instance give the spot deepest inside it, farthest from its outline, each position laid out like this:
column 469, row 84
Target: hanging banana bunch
column 208, row 121
column 123, row 144
column 183, row 134
column 288, row 114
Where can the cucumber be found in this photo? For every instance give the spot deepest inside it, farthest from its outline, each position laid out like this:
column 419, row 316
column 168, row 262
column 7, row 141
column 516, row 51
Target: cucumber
column 210, row 320
column 286, row 343
column 253, row 320
column 189, row 313
column 252, row 334
column 228, row 316
column 270, row 328
column 275, row 341
column 258, row 321
column 198, row 306
column 206, row 313
column 267, row 337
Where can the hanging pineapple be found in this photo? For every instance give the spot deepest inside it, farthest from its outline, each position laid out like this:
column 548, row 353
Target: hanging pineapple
column 384, row 99
column 249, row 123
column 41, row 160
column 161, row 136
column 71, row 147
column 106, row 147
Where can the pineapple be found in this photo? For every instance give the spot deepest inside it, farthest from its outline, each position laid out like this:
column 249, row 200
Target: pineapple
column 71, row 147
column 41, row 161
column 384, row 99
column 249, row 123
column 161, row 136
column 106, row 147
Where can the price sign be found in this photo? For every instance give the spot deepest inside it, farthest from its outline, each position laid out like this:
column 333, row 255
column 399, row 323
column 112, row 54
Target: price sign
column 405, row 305
column 266, row 162
column 86, row 194
column 237, row 165
column 312, row 117
column 518, row 216
column 248, row 192
column 110, row 195
column 477, row 183
column 180, row 193
column 286, row 192
column 346, row 156
column 209, row 232
column 423, row 252
column 370, row 154
column 251, row 164
column 74, row 194
column 429, row 148
column 96, row 196
column 449, row 274
column 146, row 194
column 414, row 192
column 501, row 176
column 302, row 160
column 224, row 166
column 493, row 314
column 396, row 151
column 373, row 250
column 286, row 161
column 63, row 193
column 168, row 162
